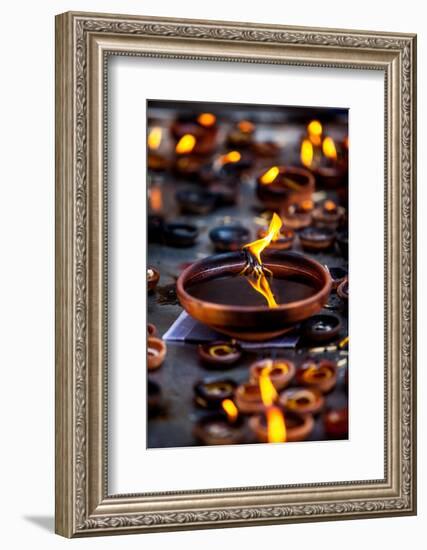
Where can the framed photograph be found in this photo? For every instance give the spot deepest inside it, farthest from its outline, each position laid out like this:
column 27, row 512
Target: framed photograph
column 235, row 274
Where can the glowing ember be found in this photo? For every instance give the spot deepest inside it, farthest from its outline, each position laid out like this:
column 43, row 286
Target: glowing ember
column 231, row 157
column 206, row 119
column 329, row 149
column 306, row 153
column 185, row 144
column 154, row 138
column 269, row 176
column 230, row 409
column 246, row 127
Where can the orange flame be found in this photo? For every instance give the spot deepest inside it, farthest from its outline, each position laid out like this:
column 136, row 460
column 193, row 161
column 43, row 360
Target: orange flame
column 256, row 247
column 246, row 127
column 329, row 149
column 329, row 206
column 232, row 156
column 315, row 130
column 269, row 176
column 156, row 199
column 306, row 153
column 276, row 427
column 230, row 409
column 185, row 144
column 262, row 286
column 266, row 387
column 206, row 119
column 154, row 138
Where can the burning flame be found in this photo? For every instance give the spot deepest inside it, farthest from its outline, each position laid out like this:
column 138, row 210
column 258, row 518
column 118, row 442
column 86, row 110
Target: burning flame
column 156, row 199
column 262, row 286
column 255, row 248
column 230, row 409
column 185, row 144
column 154, row 138
column 269, row 176
column 306, row 153
column 246, row 127
column 276, row 427
column 329, row 149
column 314, row 130
column 329, row 206
column 232, row 156
column 206, row 119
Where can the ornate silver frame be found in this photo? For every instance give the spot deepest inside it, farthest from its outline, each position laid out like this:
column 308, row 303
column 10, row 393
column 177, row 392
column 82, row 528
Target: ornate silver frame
column 83, row 42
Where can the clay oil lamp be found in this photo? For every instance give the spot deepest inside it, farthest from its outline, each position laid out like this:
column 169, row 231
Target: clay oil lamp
column 342, row 242
column 151, row 329
column 280, row 371
column 232, row 163
column 153, row 277
column 275, row 427
column 203, row 130
column 298, row 215
column 229, row 237
column 242, row 135
column 226, row 193
column 280, row 186
column 329, row 214
column 315, row 239
column 154, row 397
column 320, row 375
column 222, row 428
column 220, row 354
column 265, row 149
column 211, row 392
column 338, row 275
column 156, row 352
column 336, row 423
column 342, row 291
column 180, row 235
column 321, row 328
column 252, row 298
column 195, row 201
column 284, row 240
column 248, row 398
column 156, row 160
column 302, row 401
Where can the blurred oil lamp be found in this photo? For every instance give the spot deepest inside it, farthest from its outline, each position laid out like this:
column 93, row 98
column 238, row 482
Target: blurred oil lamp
column 220, row 354
column 156, row 160
column 154, row 398
column 297, row 427
column 265, row 149
column 222, row 428
column 156, row 352
column 195, row 133
column 342, row 242
column 281, row 289
column 153, row 277
column 336, row 423
column 232, row 162
column 342, row 291
column 283, row 241
column 151, row 329
column 210, row 392
column 314, row 239
column 329, row 214
column 321, row 328
column 195, row 201
column 302, row 401
column 298, row 215
column 320, row 375
column 280, row 371
column 179, row 234
column 229, row 237
column 248, row 398
column 226, row 193
column 338, row 275
column 280, row 186
column 242, row 135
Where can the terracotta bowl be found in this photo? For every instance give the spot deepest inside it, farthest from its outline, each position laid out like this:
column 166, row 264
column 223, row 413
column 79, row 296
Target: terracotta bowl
column 156, row 352
column 280, row 195
column 254, row 323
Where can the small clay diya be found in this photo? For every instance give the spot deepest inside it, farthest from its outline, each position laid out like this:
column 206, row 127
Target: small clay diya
column 321, row 376
column 217, row 429
column 226, row 194
column 338, row 275
column 280, row 186
column 330, row 175
column 302, row 401
column 188, row 166
column 336, row 423
column 220, row 354
column 329, row 214
column 153, row 277
column 342, row 291
column 156, row 352
column 248, row 398
column 151, row 329
column 214, row 292
column 315, row 239
column 283, row 242
column 242, row 134
column 280, row 371
column 203, row 130
column 229, row 237
column 196, row 201
column 180, row 234
column 154, row 397
column 321, row 328
column 298, row 427
column 298, row 215
column 156, row 160
column 155, row 225
column 232, row 163
column 210, row 392
column 342, row 241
